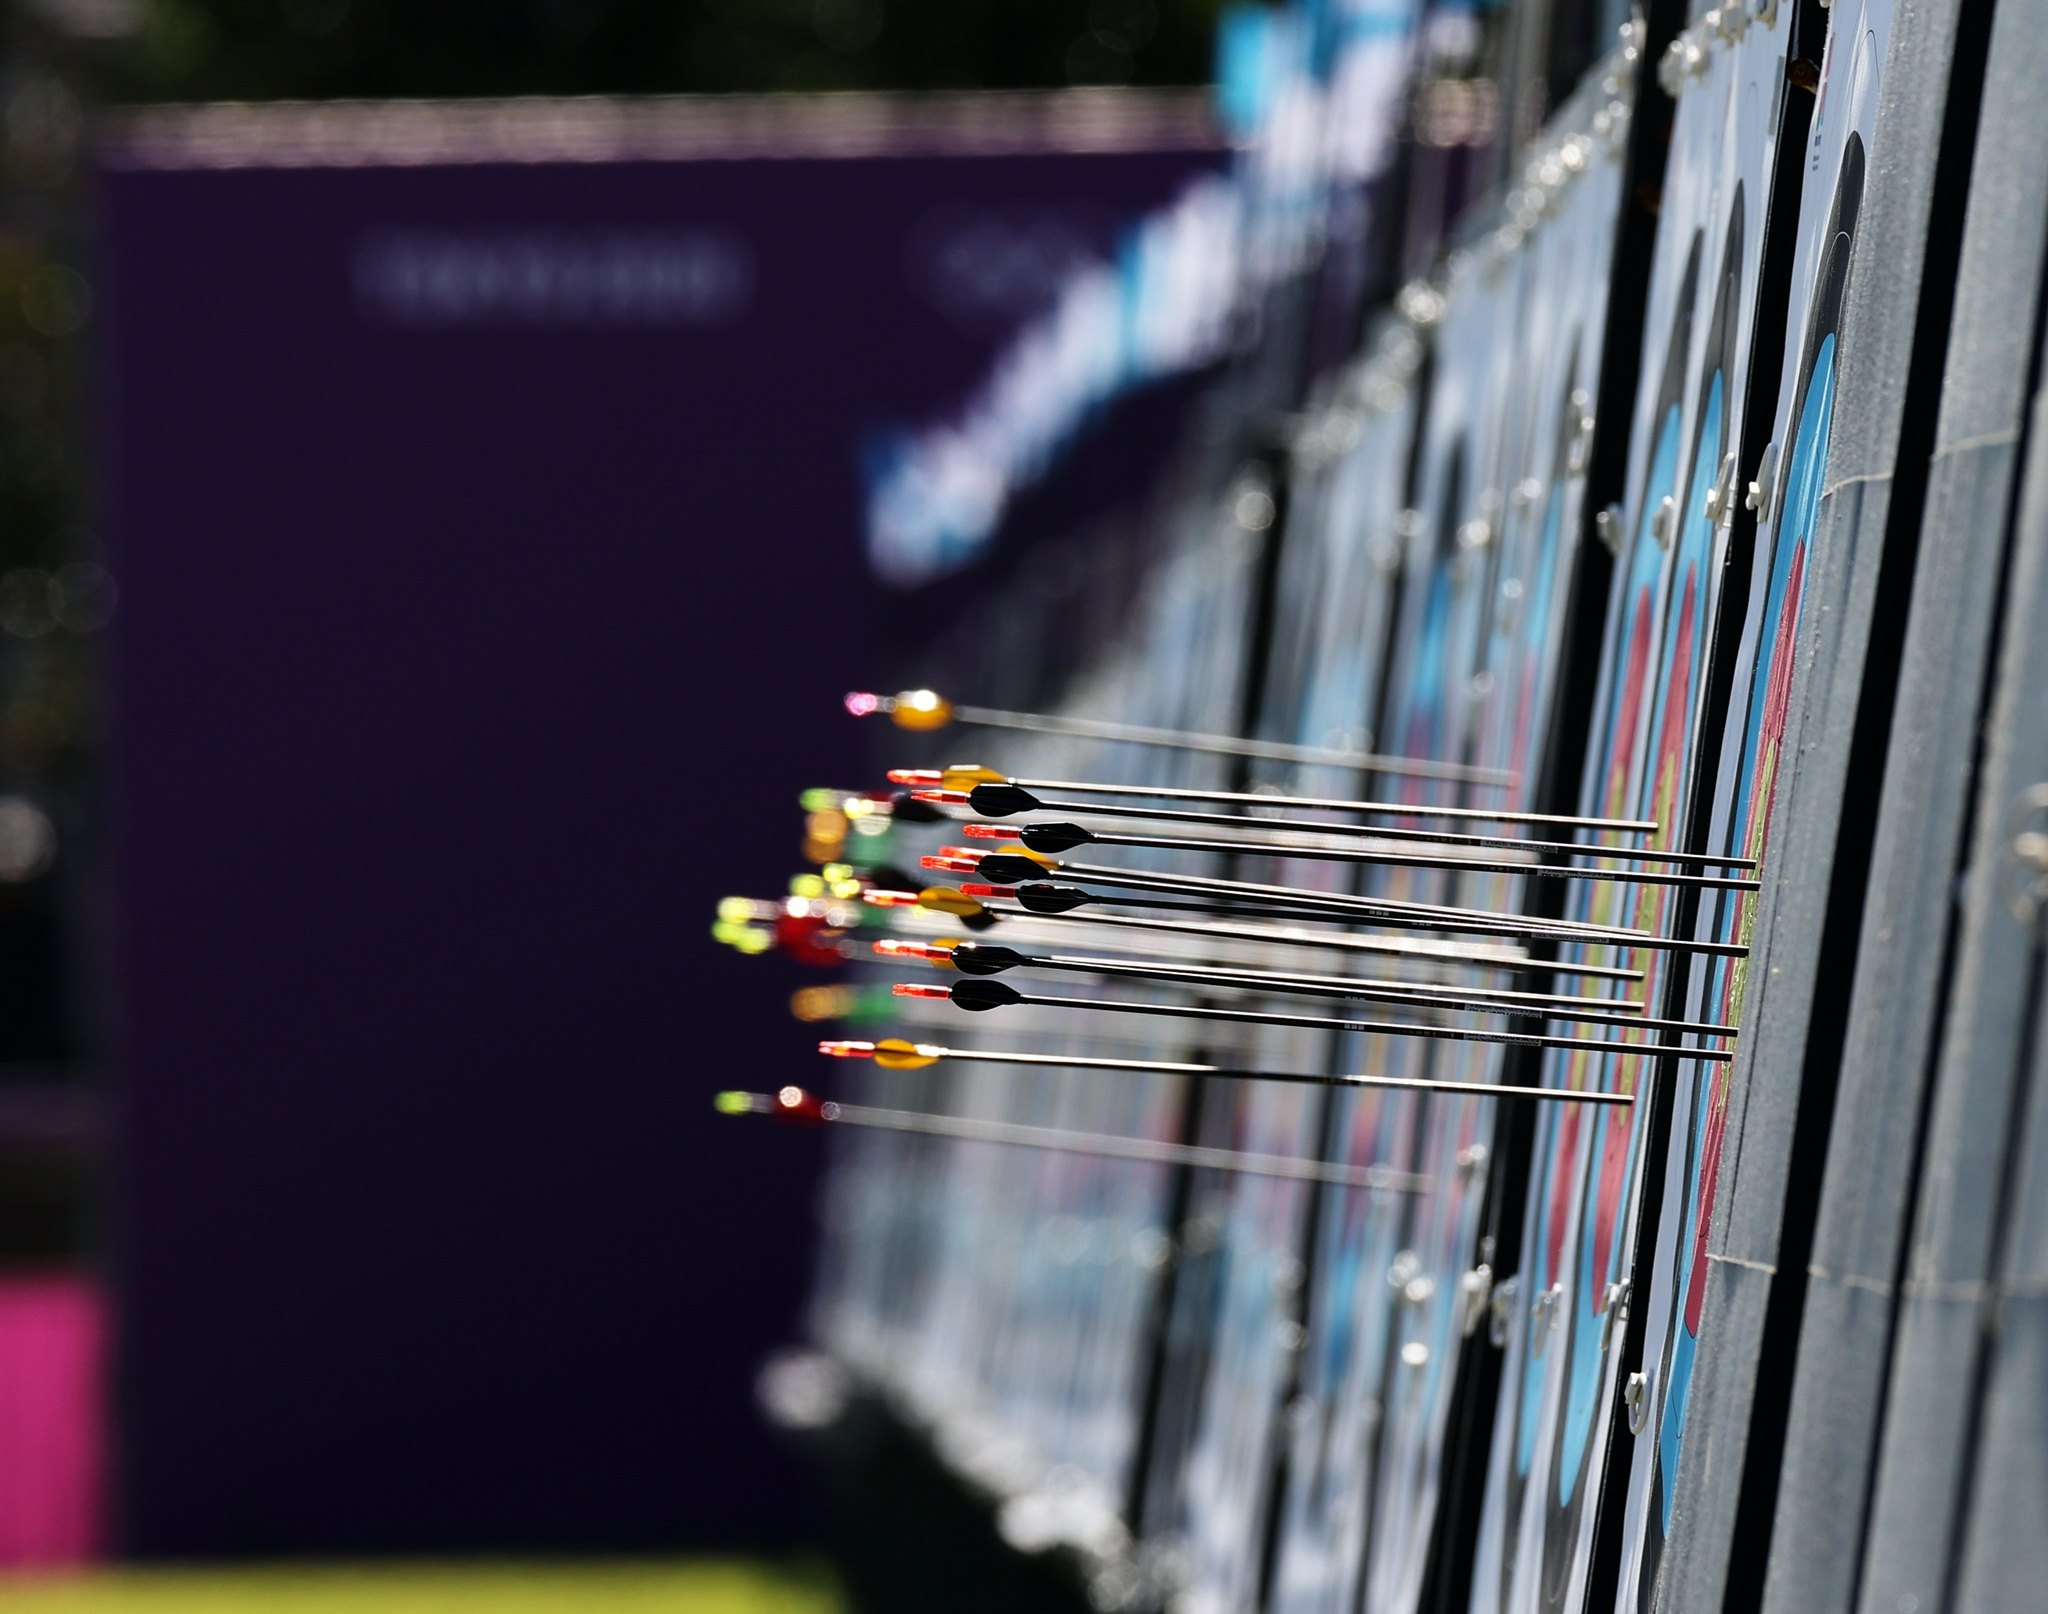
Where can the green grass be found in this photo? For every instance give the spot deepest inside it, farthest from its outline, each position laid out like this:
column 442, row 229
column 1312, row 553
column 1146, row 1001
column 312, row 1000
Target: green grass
column 697, row 1586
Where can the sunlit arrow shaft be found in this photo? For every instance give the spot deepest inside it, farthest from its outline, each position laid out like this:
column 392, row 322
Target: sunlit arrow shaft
column 1288, row 936
column 1151, row 1151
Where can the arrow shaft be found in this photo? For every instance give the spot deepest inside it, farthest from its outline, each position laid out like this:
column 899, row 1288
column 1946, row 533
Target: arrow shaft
column 1379, row 946
column 1422, row 860
column 1228, row 746
column 1523, row 1005
column 1521, row 1039
column 1271, row 908
column 1149, row 1150
column 1391, row 911
column 1409, row 1084
column 1432, row 994
column 1385, row 832
column 1391, row 809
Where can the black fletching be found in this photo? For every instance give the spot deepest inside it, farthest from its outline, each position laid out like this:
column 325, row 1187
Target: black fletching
column 1006, row 868
column 985, row 958
column 977, row 995
column 1054, row 838
column 905, row 808
column 1000, row 801
column 1044, row 897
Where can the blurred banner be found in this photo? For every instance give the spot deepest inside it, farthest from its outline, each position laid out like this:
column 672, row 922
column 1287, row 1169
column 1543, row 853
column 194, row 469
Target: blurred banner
column 486, row 498
column 52, row 1424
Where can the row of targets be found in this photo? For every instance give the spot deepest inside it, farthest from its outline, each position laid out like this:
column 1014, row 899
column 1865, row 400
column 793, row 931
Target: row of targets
column 1695, row 692
column 1422, row 608
column 1244, row 1241
column 1282, row 1351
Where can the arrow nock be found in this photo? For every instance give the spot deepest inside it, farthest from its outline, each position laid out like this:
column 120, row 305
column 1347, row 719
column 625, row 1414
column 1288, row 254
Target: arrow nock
column 919, row 709
column 935, row 952
column 807, row 1109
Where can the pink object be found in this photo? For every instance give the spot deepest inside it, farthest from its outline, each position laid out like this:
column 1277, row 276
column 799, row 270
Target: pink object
column 53, row 1333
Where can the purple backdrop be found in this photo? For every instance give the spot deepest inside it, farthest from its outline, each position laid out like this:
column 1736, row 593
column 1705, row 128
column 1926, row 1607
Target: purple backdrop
column 459, row 670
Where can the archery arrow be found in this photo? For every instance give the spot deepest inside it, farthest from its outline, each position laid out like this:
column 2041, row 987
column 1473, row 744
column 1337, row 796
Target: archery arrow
column 926, row 709
column 965, row 779
column 790, row 1102
column 982, row 959
column 978, row 995
column 1477, row 956
column 1001, row 799
column 1241, row 897
column 925, row 1053
column 1046, row 839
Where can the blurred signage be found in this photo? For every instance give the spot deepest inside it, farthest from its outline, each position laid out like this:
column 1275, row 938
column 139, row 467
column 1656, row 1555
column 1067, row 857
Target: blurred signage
column 552, row 278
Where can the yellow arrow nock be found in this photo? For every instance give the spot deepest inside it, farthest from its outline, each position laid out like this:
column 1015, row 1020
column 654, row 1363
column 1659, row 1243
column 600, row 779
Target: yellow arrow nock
column 922, row 709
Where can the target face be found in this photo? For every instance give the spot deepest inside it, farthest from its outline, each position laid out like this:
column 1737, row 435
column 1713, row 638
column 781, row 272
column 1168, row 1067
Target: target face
column 1763, row 706
column 1584, row 1217
column 1764, row 687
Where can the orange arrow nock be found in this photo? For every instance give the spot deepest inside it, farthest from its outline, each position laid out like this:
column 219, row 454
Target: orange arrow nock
column 875, row 897
column 916, row 989
column 988, row 890
column 991, row 832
